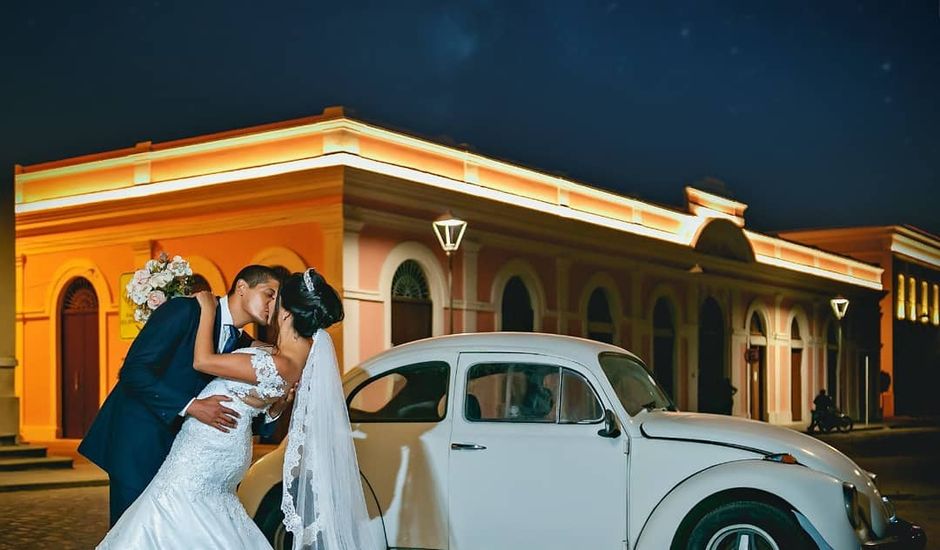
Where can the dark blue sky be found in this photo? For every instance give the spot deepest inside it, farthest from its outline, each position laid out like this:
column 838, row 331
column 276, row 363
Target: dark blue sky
column 814, row 112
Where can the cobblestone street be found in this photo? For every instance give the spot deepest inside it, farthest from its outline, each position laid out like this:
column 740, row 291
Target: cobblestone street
column 905, row 460
column 54, row 519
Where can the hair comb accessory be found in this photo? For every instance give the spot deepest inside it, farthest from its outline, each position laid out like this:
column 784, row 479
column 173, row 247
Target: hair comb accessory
column 308, row 281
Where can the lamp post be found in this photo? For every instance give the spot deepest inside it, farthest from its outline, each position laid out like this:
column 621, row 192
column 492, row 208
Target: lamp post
column 449, row 230
column 839, row 305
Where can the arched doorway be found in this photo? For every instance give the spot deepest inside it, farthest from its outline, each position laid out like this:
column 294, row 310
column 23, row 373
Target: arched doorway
column 516, row 309
column 757, row 368
column 714, row 394
column 796, row 373
column 664, row 345
column 79, row 353
column 411, row 304
column 600, row 324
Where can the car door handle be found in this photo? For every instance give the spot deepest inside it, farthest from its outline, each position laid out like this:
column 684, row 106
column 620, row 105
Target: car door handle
column 466, row 447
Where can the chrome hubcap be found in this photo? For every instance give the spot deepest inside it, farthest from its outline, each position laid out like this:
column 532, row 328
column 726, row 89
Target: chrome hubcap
column 742, row 537
column 279, row 538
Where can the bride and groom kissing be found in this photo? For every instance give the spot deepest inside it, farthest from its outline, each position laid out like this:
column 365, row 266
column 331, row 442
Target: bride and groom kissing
column 174, row 435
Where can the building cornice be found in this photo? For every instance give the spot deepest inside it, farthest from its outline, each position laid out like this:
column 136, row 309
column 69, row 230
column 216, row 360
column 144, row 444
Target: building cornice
column 348, row 143
column 915, row 249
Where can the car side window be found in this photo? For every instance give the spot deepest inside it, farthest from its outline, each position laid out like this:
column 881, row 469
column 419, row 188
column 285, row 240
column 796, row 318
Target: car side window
column 579, row 403
column 528, row 392
column 413, row 393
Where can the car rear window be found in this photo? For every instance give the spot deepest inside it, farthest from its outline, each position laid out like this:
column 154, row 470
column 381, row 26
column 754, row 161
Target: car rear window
column 411, row 393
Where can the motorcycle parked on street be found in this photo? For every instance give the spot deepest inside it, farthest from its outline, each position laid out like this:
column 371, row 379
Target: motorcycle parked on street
column 832, row 419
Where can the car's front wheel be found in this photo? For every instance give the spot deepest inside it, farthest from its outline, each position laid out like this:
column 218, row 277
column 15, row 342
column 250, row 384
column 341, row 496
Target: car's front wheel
column 751, row 525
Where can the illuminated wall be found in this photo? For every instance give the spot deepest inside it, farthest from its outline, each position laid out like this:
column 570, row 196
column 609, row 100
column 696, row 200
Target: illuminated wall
column 356, row 201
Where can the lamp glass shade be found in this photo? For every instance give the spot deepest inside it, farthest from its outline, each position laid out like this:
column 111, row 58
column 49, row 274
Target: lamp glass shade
column 449, row 231
column 839, row 306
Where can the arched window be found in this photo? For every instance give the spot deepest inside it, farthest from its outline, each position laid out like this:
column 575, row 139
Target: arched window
column 924, row 300
column 664, row 345
column 411, row 304
column 79, row 353
column 899, row 292
column 912, row 299
column 516, row 309
column 600, row 324
column 936, row 305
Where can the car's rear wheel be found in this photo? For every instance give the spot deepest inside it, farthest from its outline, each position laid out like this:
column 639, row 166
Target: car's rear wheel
column 750, row 525
column 270, row 520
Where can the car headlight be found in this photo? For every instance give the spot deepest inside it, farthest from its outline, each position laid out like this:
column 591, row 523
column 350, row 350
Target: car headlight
column 850, row 495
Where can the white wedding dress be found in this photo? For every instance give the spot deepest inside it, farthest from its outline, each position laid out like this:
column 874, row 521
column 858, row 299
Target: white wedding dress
column 191, row 502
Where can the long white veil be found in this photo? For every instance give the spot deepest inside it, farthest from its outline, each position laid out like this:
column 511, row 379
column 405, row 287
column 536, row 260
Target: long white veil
column 323, row 503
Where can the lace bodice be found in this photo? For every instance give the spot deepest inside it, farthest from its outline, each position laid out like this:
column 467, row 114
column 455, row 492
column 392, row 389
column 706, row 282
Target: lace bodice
column 270, row 385
column 208, row 463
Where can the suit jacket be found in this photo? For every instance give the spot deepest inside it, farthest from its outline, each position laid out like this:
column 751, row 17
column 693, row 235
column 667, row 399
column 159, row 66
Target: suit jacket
column 132, row 433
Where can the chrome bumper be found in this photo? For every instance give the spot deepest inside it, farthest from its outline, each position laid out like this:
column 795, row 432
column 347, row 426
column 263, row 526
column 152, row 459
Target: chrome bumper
column 901, row 535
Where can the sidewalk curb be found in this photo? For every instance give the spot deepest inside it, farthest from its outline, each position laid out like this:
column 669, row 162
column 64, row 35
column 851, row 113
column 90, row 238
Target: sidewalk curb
column 41, row 486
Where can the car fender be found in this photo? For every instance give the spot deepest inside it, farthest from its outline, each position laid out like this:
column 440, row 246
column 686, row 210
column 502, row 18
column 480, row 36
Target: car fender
column 815, row 495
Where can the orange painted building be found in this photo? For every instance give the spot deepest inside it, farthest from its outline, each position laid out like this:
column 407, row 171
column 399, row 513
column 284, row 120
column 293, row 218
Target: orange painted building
column 909, row 308
column 689, row 289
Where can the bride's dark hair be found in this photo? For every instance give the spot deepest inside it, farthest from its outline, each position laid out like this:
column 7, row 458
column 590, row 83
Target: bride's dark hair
column 312, row 308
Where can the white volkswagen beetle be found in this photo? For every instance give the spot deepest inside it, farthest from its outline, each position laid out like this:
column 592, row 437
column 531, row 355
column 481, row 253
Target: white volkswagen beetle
column 517, row 441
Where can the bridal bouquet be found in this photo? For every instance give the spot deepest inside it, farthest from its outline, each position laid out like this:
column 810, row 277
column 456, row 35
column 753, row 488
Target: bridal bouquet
column 160, row 280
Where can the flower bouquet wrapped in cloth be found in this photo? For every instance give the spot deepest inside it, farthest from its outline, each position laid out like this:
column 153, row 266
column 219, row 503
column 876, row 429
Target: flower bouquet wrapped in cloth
column 160, row 280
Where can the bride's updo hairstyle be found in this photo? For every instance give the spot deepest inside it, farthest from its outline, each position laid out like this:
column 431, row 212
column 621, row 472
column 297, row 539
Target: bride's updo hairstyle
column 313, row 303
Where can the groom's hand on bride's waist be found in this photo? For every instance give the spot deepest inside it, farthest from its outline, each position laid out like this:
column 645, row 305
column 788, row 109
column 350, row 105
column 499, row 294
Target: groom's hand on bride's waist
column 211, row 412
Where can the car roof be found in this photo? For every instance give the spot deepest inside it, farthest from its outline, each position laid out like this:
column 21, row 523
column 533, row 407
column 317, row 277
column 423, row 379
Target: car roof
column 577, row 349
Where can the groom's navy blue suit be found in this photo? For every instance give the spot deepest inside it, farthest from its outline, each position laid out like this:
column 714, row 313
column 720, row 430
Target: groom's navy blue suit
column 133, row 432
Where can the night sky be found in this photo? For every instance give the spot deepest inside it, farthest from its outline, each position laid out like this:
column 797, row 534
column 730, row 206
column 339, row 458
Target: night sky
column 813, row 112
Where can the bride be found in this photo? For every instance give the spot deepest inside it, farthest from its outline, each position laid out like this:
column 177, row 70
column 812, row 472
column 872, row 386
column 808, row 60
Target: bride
column 191, row 502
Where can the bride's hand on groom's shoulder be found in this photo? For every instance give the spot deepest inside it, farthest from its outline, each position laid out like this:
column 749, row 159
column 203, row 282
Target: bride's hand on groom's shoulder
column 205, row 298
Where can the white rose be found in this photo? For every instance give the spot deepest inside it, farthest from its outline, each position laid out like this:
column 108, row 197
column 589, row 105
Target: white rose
column 179, row 267
column 141, row 316
column 140, row 278
column 156, row 299
column 137, row 297
column 161, row 279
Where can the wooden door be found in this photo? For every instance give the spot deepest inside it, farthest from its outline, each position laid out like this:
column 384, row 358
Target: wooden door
column 79, row 353
column 796, row 385
column 758, row 384
column 411, row 320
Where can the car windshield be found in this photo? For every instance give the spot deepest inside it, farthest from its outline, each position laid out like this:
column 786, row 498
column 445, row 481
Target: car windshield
column 635, row 387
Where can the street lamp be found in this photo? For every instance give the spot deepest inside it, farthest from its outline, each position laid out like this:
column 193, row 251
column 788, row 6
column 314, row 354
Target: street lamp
column 449, row 230
column 840, row 305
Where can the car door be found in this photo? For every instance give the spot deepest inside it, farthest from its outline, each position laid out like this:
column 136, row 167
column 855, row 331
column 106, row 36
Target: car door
column 402, row 443
column 528, row 468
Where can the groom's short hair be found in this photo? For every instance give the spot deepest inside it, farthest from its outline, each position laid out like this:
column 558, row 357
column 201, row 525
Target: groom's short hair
column 253, row 275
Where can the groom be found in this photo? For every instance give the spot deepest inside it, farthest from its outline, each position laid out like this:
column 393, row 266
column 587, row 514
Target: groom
column 157, row 385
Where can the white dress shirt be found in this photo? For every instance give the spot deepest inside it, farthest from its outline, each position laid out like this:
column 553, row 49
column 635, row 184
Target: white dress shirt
column 226, row 319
